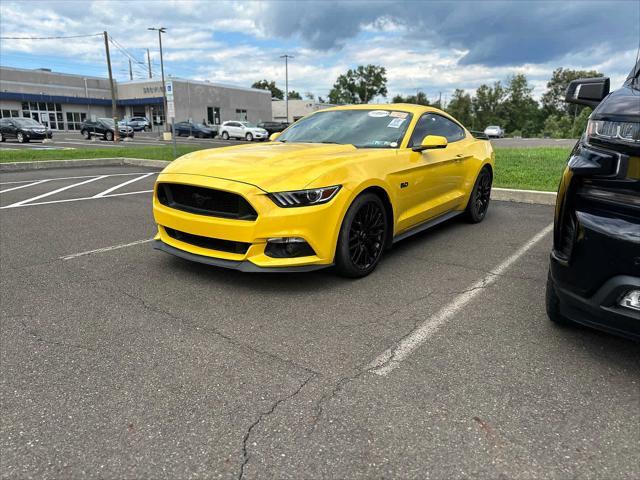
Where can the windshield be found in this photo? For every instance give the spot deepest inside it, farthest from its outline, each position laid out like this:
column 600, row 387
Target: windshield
column 249, row 124
column 27, row 122
column 360, row 128
column 106, row 121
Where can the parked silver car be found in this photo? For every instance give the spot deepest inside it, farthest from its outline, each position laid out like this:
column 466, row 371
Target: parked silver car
column 494, row 131
column 243, row 130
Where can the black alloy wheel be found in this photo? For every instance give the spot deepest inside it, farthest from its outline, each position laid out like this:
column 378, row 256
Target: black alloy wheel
column 480, row 197
column 362, row 237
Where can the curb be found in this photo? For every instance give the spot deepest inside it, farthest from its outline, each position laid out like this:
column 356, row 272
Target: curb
column 499, row 194
column 82, row 162
column 523, row 196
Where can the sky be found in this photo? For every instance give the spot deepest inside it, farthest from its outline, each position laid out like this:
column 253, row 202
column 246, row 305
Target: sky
column 433, row 46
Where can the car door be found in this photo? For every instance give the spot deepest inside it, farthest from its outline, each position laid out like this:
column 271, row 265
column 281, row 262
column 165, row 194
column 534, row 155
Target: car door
column 12, row 129
column 431, row 181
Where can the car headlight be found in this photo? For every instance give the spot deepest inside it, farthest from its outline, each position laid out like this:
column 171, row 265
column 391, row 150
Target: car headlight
column 303, row 198
column 627, row 132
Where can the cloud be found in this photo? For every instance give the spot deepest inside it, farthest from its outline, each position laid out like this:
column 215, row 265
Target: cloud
column 432, row 46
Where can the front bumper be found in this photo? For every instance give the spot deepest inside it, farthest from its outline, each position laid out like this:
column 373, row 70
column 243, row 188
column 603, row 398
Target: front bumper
column 36, row 135
column 317, row 225
column 601, row 310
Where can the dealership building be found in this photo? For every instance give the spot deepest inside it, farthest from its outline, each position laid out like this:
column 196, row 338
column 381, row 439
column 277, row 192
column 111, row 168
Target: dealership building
column 62, row 101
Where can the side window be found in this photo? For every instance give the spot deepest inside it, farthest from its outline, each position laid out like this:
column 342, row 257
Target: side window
column 433, row 124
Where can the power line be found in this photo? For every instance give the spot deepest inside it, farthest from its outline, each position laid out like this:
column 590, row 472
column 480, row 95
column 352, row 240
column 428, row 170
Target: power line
column 51, row 38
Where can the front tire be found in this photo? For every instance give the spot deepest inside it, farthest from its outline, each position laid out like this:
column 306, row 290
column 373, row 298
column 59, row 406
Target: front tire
column 248, row 137
column 21, row 138
column 362, row 237
column 2, row 139
column 480, row 196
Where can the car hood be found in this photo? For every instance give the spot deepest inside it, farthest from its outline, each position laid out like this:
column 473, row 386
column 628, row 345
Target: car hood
column 272, row 166
column 620, row 105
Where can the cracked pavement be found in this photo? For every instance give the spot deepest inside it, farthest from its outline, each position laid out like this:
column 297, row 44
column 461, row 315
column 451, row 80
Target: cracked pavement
column 135, row 364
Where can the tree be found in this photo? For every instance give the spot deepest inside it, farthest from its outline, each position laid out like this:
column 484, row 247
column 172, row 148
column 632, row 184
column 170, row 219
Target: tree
column 360, row 85
column 553, row 99
column 460, row 107
column 487, row 106
column 558, row 126
column 520, row 111
column 309, row 95
column 269, row 85
column 420, row 98
column 293, row 95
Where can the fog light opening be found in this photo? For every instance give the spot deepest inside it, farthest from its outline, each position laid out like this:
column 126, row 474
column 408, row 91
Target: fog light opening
column 631, row 300
column 288, row 247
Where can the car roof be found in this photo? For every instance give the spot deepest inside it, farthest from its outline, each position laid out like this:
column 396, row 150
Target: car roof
column 405, row 107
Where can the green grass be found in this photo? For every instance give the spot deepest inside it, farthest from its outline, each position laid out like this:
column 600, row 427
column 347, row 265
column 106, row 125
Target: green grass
column 525, row 168
column 530, row 168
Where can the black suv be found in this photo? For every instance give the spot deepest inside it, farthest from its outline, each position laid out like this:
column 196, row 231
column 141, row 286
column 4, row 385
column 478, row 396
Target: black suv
column 22, row 129
column 104, row 128
column 273, row 127
column 594, row 276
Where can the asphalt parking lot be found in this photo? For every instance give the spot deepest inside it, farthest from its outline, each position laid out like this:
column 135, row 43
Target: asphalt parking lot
column 72, row 140
column 119, row 361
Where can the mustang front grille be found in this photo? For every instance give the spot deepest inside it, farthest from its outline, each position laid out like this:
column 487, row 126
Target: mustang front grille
column 208, row 242
column 205, row 201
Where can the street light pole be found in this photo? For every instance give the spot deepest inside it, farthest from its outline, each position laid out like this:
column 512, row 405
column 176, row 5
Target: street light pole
column 286, row 83
column 160, row 31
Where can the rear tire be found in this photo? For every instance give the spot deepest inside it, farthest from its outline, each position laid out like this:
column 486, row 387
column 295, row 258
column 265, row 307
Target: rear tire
column 225, row 135
column 86, row 134
column 480, row 196
column 552, row 303
column 108, row 136
column 362, row 237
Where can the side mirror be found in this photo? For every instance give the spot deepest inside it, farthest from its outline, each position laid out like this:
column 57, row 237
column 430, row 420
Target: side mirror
column 274, row 136
column 431, row 142
column 587, row 91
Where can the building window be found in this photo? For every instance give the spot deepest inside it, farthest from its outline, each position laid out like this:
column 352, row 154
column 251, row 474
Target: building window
column 9, row 113
column 213, row 115
column 75, row 119
column 241, row 115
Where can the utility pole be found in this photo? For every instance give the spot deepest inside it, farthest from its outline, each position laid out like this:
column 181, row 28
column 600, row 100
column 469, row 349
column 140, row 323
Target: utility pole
column 286, row 83
column 160, row 31
column 149, row 63
column 130, row 71
column 114, row 113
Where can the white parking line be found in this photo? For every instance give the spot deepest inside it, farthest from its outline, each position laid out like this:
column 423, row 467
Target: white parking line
column 23, row 186
column 109, row 190
column 392, row 357
column 67, row 200
column 105, row 249
column 48, row 194
column 74, row 178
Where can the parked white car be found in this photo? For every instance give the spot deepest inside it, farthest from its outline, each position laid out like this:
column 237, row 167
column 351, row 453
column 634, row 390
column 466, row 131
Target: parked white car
column 244, row 130
column 494, row 131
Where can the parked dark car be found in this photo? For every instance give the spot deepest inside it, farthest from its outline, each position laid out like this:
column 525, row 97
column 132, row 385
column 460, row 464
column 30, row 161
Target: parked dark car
column 104, row 128
column 22, row 129
column 195, row 129
column 273, row 127
column 594, row 276
column 138, row 124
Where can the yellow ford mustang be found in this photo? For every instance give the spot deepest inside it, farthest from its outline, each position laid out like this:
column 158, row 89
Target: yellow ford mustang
column 337, row 187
